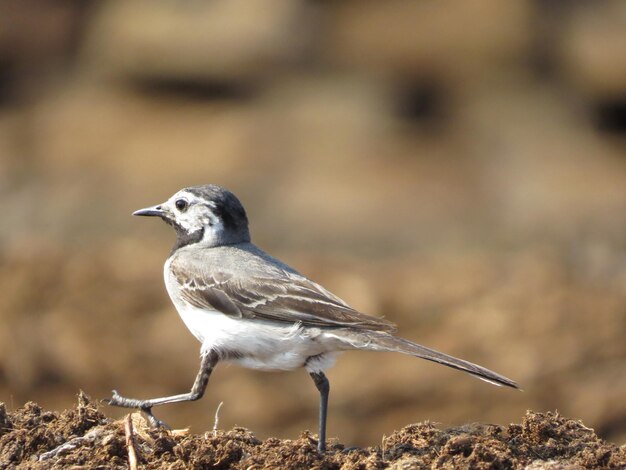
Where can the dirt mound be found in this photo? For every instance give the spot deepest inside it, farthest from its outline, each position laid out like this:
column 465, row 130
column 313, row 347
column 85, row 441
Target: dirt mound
column 31, row 437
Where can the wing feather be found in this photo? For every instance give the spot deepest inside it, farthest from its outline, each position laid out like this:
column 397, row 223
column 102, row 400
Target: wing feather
column 282, row 297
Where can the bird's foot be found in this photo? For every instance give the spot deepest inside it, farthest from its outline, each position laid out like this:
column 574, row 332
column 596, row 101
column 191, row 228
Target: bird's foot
column 321, row 445
column 118, row 400
column 143, row 405
column 154, row 421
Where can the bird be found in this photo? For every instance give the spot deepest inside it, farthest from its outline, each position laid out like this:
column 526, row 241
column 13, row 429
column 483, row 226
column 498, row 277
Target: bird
column 249, row 308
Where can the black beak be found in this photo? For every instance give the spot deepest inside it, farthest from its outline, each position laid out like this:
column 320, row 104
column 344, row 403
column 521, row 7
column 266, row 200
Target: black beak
column 154, row 211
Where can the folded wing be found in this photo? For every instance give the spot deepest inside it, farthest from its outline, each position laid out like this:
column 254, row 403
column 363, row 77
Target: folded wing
column 283, row 297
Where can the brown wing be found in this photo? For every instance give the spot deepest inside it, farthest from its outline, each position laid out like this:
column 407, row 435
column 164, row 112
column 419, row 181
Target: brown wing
column 286, row 298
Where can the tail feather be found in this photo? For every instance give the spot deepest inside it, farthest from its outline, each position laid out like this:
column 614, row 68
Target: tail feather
column 390, row 343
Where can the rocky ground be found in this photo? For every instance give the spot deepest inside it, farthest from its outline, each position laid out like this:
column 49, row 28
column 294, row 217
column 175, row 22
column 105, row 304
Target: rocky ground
column 83, row 437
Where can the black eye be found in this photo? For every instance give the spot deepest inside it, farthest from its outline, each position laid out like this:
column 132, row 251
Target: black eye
column 181, row 204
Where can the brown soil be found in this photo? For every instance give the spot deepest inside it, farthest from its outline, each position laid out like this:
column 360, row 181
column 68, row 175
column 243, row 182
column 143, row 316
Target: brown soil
column 32, row 437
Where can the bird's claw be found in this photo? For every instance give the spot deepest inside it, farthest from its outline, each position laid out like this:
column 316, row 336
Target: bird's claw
column 114, row 400
column 154, row 421
column 118, row 400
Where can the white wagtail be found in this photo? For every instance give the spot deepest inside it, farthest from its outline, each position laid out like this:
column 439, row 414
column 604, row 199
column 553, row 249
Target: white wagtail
column 249, row 308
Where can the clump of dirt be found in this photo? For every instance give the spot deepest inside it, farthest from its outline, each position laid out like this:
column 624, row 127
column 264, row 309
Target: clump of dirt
column 33, row 438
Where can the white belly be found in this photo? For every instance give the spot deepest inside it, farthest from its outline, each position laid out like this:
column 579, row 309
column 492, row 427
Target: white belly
column 257, row 344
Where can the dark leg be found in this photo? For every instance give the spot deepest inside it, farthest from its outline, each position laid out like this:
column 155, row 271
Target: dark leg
column 322, row 384
column 209, row 361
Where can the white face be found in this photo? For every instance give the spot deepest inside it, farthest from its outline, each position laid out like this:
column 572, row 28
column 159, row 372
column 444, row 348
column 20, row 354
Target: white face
column 192, row 214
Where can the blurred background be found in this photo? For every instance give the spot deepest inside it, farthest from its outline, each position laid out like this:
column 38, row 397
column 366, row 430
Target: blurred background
column 458, row 167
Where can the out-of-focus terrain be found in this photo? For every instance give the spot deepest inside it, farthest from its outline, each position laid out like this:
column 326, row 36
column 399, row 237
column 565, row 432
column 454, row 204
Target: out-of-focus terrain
column 459, row 168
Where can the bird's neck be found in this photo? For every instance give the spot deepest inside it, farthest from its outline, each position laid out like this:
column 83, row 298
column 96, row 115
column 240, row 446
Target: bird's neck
column 185, row 238
column 206, row 238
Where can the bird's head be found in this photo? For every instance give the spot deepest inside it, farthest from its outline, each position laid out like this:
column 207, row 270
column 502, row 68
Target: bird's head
column 206, row 214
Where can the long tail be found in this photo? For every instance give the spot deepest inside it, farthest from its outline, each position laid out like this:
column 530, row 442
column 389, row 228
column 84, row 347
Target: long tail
column 375, row 341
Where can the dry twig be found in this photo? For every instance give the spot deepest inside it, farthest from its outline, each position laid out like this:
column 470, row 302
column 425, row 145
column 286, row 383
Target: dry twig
column 72, row 444
column 217, row 418
column 130, row 443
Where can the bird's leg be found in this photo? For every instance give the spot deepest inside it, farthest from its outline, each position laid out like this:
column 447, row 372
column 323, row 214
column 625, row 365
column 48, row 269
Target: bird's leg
column 322, row 384
column 209, row 360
